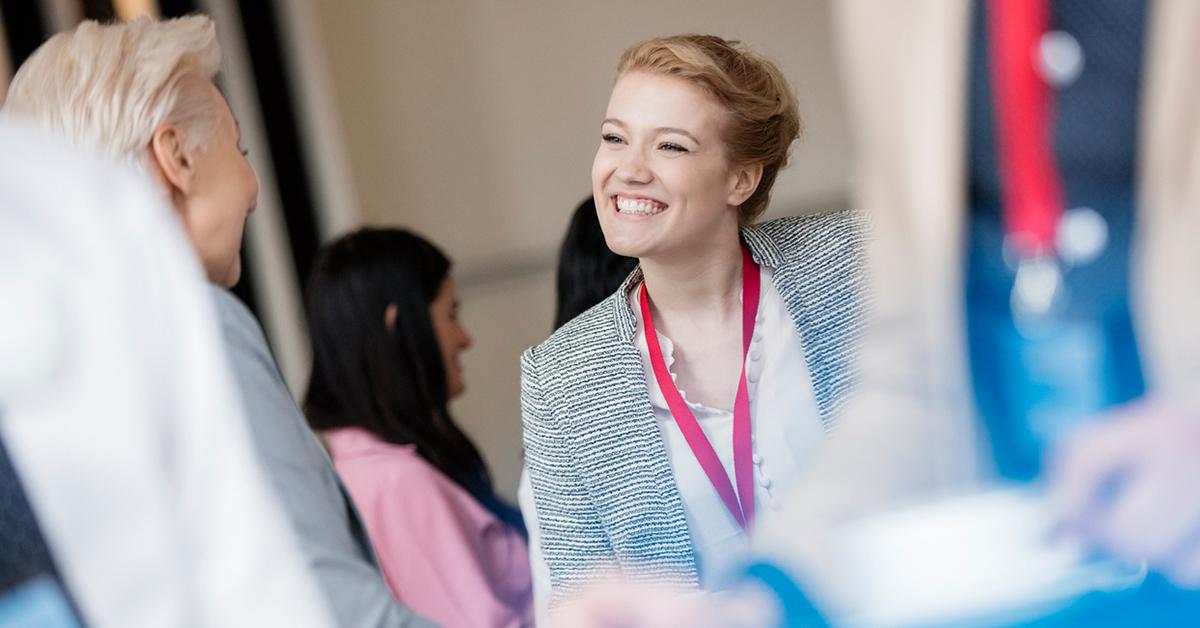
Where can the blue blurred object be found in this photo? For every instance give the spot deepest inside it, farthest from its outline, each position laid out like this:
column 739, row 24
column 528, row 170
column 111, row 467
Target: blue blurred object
column 1036, row 379
column 1155, row 604
column 40, row 603
column 798, row 610
column 29, row 591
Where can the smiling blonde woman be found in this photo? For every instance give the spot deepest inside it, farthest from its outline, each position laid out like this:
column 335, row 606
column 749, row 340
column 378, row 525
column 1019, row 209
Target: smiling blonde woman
column 663, row 423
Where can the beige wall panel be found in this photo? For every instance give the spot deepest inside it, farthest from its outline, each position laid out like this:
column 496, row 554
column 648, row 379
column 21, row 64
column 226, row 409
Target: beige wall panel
column 504, row 318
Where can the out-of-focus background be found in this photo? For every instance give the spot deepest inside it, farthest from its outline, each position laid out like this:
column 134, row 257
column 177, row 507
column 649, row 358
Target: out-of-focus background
column 473, row 122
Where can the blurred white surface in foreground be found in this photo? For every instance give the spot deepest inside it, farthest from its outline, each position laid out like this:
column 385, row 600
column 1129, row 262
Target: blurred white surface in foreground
column 118, row 409
column 989, row 555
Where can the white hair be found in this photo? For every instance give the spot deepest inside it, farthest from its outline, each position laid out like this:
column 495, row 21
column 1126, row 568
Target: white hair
column 109, row 86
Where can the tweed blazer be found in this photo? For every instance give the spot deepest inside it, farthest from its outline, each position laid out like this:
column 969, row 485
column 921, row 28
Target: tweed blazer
column 606, row 499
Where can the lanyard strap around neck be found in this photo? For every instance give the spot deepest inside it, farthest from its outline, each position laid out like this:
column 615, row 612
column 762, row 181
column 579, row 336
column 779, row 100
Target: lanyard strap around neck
column 692, row 433
column 1031, row 189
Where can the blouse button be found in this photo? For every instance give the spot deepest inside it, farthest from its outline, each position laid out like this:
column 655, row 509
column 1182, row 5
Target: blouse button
column 764, row 481
column 757, row 336
column 760, row 319
column 756, row 458
column 753, row 377
column 755, row 355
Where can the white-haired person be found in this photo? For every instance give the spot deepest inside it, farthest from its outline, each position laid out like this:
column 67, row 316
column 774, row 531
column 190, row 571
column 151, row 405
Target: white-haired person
column 758, row 323
column 130, row 491
column 144, row 93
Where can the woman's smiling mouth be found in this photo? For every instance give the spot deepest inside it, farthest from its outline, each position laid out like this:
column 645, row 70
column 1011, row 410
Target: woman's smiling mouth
column 638, row 206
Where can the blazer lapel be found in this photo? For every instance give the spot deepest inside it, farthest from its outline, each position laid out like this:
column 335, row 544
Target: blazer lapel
column 622, row 459
column 822, row 281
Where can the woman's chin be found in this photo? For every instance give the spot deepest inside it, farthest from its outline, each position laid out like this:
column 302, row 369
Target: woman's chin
column 630, row 242
column 227, row 275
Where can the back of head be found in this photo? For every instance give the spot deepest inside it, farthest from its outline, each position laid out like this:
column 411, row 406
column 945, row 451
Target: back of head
column 390, row 382
column 588, row 271
column 108, row 86
column 764, row 116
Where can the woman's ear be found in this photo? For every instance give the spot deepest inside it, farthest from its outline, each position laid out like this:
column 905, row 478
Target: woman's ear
column 175, row 164
column 389, row 317
column 745, row 183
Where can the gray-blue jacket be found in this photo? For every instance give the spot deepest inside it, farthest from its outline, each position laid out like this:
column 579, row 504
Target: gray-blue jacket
column 331, row 535
column 606, row 498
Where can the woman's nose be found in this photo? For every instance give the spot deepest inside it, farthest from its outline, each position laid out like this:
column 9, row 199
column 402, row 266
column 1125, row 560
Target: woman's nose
column 634, row 168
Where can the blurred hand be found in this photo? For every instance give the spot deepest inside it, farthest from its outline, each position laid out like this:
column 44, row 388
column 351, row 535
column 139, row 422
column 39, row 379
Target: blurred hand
column 1130, row 485
column 620, row 604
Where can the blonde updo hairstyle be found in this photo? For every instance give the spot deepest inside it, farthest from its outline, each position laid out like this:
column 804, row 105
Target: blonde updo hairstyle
column 109, row 86
column 764, row 117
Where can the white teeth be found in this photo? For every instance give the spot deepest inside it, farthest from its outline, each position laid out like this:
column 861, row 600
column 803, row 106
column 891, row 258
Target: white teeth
column 639, row 207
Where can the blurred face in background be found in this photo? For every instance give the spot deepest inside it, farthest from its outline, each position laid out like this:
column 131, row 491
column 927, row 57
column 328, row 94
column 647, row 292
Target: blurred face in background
column 451, row 336
column 214, row 189
column 662, row 183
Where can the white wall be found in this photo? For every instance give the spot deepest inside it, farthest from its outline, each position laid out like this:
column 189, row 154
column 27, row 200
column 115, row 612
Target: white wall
column 474, row 122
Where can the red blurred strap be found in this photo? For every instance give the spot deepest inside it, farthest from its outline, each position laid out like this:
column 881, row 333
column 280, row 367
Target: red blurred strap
column 743, row 468
column 1030, row 185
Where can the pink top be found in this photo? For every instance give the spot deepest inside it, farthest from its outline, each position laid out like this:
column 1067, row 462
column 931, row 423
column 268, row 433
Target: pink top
column 443, row 554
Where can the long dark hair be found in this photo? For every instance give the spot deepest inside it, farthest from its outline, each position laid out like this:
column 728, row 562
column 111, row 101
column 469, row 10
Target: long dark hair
column 391, row 383
column 588, row 271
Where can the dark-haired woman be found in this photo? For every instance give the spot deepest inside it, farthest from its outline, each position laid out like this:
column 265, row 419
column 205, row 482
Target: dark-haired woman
column 386, row 339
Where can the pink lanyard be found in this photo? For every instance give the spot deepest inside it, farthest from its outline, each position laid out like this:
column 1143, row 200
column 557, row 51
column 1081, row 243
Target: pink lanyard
column 1031, row 189
column 701, row 448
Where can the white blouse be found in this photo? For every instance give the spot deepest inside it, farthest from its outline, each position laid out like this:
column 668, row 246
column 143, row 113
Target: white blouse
column 786, row 432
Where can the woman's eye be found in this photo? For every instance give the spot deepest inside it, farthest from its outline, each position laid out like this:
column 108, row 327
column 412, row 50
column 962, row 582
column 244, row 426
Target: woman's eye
column 673, row 148
column 611, row 139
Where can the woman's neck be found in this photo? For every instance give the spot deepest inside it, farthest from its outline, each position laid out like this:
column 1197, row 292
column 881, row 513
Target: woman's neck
column 700, row 286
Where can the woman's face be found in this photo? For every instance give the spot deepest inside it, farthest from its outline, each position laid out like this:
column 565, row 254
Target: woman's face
column 223, row 193
column 661, row 180
column 452, row 338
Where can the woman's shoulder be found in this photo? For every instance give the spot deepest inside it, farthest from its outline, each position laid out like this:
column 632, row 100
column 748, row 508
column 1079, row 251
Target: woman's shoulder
column 368, row 464
column 589, row 337
column 354, row 449
column 818, row 252
column 845, row 231
column 403, row 498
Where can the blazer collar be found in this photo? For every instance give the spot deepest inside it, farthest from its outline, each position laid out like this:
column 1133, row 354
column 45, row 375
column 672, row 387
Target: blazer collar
column 763, row 249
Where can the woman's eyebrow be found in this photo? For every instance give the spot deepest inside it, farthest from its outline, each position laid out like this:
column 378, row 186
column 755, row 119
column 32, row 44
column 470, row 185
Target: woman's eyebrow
column 660, row 130
column 670, row 129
